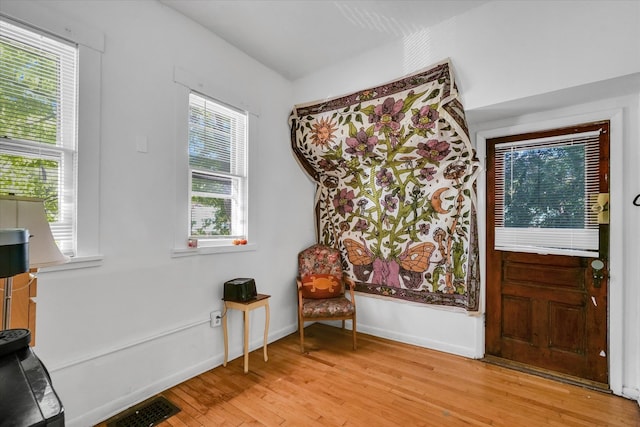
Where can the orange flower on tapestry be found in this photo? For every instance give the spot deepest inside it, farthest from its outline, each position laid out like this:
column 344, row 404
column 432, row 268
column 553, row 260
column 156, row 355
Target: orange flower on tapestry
column 322, row 133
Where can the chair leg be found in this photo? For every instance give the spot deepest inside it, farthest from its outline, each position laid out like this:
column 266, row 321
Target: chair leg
column 301, row 329
column 354, row 334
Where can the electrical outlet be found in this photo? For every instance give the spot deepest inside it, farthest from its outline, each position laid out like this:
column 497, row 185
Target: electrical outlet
column 216, row 319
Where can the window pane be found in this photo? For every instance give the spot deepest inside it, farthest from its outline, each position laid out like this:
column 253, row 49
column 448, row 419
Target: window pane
column 214, row 211
column 32, row 177
column 217, row 137
column 211, row 184
column 209, row 140
column 545, row 187
column 29, row 92
column 210, row 216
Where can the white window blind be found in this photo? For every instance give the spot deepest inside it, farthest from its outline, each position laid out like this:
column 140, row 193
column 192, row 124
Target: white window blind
column 218, row 164
column 38, row 125
column 544, row 190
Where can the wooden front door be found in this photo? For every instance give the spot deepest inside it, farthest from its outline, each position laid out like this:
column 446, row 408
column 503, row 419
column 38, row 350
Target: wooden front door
column 546, row 294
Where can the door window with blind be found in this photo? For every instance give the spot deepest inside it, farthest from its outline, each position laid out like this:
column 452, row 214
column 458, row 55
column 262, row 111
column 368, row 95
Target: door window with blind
column 544, row 192
column 218, row 166
column 38, row 132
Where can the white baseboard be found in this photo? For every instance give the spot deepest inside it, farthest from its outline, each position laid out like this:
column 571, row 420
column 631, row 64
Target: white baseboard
column 631, row 393
column 116, row 406
column 469, row 352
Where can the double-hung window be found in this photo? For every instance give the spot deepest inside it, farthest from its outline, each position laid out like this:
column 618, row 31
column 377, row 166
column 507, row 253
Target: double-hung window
column 218, row 170
column 38, row 124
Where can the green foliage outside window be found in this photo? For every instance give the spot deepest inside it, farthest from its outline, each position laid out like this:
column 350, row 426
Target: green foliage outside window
column 28, row 94
column 29, row 103
column 216, row 222
column 545, row 188
column 32, row 176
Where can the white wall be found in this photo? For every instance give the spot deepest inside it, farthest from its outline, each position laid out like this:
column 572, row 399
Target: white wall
column 115, row 334
column 527, row 61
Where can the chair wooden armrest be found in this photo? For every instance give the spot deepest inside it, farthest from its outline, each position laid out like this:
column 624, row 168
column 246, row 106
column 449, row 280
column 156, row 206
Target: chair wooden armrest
column 299, row 282
column 349, row 283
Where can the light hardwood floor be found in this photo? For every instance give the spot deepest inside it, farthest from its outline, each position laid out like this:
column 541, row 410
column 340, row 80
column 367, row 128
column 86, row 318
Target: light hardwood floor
column 383, row 383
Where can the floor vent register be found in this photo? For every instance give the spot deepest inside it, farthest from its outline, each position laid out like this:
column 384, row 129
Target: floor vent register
column 149, row 413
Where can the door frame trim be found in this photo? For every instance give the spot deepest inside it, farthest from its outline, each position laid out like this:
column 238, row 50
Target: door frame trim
column 533, row 123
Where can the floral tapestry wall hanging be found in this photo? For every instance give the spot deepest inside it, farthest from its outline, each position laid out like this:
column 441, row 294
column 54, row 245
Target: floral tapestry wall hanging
column 395, row 175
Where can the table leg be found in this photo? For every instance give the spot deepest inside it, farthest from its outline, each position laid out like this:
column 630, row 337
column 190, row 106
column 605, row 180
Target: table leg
column 266, row 330
column 246, row 341
column 226, row 338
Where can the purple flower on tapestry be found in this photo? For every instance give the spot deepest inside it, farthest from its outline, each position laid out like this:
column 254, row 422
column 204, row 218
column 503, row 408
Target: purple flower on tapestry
column 362, row 144
column 389, row 202
column 384, row 178
column 425, row 118
column 361, row 225
column 343, row 202
column 427, row 173
column 433, row 150
column 387, row 115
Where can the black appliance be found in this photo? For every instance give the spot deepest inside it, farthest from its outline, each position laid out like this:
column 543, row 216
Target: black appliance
column 241, row 289
column 27, row 397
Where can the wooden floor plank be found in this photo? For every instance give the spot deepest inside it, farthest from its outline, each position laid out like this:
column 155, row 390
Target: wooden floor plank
column 383, row 383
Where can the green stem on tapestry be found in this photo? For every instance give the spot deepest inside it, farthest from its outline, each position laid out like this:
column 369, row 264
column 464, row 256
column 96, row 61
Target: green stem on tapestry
column 379, row 213
column 449, row 261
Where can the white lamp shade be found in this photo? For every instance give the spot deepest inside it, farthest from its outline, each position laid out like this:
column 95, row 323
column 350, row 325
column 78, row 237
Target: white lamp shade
column 22, row 212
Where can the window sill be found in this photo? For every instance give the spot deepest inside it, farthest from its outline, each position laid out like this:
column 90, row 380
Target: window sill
column 75, row 263
column 208, row 250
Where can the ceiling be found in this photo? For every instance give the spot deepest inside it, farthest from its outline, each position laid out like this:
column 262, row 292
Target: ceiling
column 297, row 37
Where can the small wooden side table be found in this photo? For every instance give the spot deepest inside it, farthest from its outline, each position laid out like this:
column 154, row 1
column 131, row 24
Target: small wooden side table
column 246, row 306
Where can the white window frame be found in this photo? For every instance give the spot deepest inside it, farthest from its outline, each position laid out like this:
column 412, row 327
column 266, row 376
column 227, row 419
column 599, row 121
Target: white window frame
column 238, row 175
column 65, row 149
column 187, row 82
column 90, row 47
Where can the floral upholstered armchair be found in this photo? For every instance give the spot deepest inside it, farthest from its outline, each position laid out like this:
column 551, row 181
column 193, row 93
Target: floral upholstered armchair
column 321, row 289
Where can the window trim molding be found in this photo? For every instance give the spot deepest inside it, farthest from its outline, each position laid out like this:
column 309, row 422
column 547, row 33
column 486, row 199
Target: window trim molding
column 90, row 48
column 186, row 82
column 88, row 170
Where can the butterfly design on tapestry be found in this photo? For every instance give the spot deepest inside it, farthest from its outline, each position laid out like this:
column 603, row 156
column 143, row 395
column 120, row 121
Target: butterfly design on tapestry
column 409, row 265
